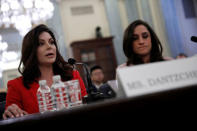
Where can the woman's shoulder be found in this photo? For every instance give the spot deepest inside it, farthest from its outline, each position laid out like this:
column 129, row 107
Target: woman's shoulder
column 76, row 74
column 123, row 66
column 17, row 80
column 75, row 71
column 15, row 84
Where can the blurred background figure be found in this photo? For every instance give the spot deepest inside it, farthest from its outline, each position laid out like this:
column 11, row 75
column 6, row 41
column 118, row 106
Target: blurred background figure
column 97, row 77
column 98, row 32
column 181, row 55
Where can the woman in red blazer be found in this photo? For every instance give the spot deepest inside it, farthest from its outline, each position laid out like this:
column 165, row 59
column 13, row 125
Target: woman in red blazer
column 40, row 60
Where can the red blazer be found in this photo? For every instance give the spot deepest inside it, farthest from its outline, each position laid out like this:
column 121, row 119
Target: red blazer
column 25, row 98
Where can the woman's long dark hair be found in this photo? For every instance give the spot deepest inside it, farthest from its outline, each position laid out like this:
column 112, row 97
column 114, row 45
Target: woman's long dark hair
column 132, row 57
column 28, row 66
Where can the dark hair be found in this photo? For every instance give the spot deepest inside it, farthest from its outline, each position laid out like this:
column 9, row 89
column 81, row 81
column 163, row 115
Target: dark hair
column 95, row 67
column 132, row 57
column 30, row 70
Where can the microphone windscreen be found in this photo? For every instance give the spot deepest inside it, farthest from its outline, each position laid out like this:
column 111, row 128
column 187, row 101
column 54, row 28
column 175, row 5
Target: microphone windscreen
column 71, row 61
column 194, row 38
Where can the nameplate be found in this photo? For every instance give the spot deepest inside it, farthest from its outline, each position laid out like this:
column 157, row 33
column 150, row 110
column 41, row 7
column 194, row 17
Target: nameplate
column 158, row 76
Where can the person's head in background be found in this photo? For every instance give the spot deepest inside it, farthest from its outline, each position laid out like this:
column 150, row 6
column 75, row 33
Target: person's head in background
column 181, row 55
column 39, row 49
column 97, row 75
column 141, row 44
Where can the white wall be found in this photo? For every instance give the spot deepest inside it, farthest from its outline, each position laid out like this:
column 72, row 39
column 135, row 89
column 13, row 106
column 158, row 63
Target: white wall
column 80, row 27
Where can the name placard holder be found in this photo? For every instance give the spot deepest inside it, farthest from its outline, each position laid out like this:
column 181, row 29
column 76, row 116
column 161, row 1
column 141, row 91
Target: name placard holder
column 156, row 77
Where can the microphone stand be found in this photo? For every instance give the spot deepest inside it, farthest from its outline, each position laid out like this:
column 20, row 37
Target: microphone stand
column 194, row 38
column 92, row 94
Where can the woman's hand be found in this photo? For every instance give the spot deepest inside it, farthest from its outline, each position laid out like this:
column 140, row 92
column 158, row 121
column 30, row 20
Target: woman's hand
column 13, row 111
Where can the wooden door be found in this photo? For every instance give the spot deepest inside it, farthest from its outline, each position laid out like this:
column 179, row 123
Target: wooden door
column 96, row 52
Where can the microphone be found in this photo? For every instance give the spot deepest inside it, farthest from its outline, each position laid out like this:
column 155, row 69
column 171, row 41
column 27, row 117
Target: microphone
column 93, row 95
column 71, row 61
column 194, row 38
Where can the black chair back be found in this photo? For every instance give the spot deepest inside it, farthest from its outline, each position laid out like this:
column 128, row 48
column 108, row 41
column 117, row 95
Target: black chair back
column 2, row 103
column 2, row 108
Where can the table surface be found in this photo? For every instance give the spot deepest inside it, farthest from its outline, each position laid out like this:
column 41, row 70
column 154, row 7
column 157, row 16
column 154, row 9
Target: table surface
column 173, row 102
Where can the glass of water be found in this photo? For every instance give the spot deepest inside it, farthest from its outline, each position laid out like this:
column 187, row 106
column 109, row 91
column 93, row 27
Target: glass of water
column 74, row 91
